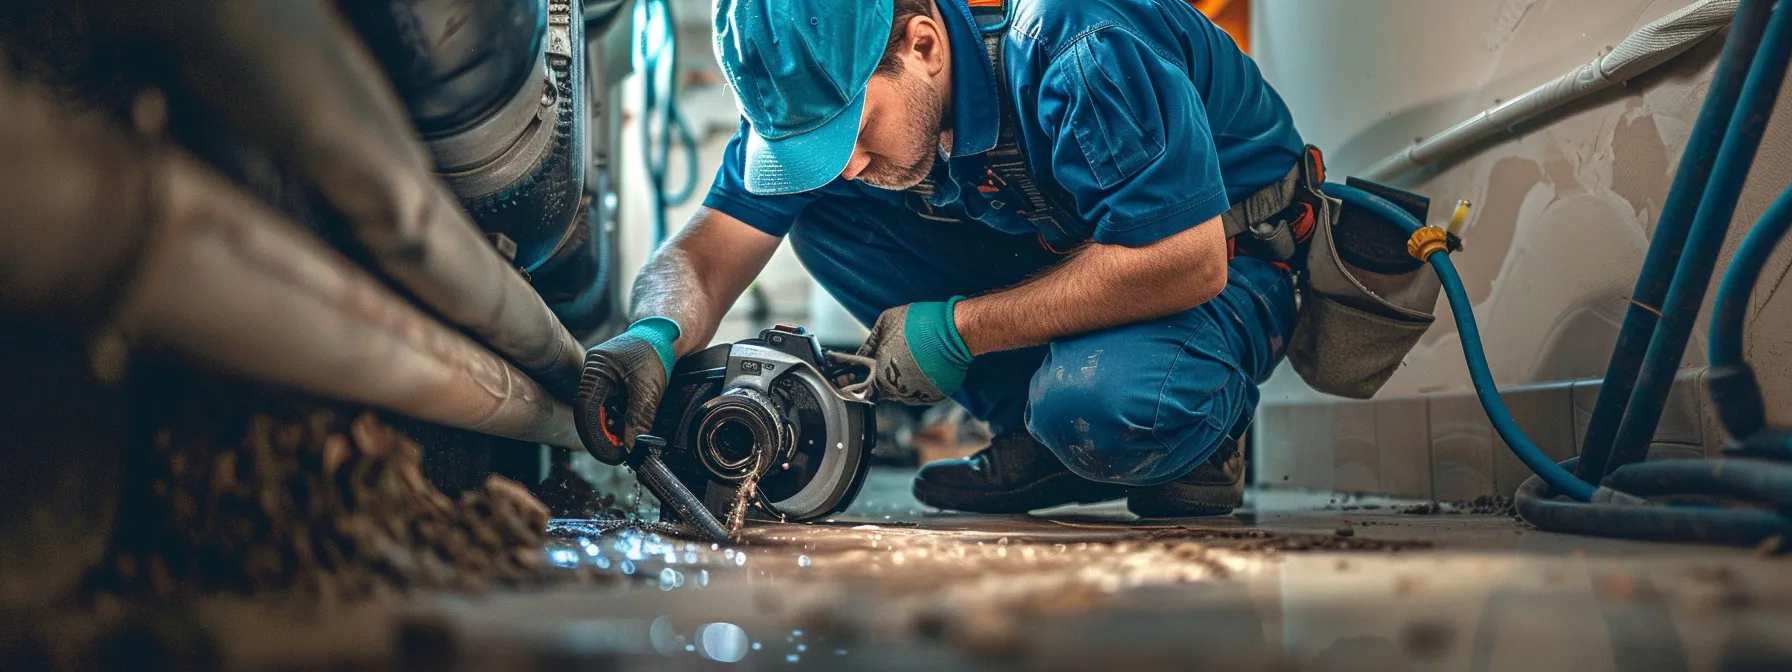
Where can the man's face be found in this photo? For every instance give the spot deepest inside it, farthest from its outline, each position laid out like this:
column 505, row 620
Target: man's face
column 900, row 134
column 905, row 107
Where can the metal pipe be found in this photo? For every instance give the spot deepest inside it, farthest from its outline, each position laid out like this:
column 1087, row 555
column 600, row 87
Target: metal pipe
column 1692, row 276
column 1639, row 52
column 293, row 76
column 1669, row 237
column 452, row 61
column 105, row 232
column 517, row 156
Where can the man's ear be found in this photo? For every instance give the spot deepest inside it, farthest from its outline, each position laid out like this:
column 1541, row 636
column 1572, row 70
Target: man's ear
column 926, row 44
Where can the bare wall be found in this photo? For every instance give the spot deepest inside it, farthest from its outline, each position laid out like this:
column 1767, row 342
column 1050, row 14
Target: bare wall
column 1563, row 208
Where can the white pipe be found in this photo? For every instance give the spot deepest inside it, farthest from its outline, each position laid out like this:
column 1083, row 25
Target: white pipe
column 1642, row 51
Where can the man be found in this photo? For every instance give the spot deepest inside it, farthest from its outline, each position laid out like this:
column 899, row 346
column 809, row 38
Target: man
column 1114, row 345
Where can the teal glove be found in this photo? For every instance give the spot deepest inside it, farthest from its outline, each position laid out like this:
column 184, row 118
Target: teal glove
column 622, row 385
column 920, row 358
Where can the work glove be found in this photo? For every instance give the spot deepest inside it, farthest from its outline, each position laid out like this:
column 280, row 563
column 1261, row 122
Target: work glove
column 916, row 352
column 624, row 376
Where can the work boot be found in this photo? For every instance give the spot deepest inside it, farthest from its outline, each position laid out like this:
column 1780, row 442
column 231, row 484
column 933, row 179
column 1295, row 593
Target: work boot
column 1214, row 488
column 1015, row 474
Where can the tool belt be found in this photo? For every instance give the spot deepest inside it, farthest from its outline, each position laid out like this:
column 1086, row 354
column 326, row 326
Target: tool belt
column 1364, row 302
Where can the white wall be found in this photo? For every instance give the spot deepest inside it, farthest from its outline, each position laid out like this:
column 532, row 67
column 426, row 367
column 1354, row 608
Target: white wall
column 1562, row 211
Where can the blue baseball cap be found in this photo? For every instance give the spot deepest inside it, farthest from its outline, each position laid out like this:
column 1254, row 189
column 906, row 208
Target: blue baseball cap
column 799, row 69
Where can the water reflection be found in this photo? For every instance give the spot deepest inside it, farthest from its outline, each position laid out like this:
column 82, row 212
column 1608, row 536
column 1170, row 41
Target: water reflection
column 724, row 642
column 1169, row 597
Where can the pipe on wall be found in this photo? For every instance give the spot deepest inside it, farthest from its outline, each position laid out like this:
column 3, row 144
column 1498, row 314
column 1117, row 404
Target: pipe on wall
column 294, row 77
column 1650, row 46
column 109, row 234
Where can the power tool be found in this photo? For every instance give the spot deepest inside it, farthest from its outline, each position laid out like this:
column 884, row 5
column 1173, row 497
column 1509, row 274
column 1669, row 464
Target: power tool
column 763, row 417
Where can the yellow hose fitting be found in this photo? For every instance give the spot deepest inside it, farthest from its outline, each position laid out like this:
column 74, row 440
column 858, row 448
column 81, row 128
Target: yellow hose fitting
column 1427, row 240
column 1458, row 217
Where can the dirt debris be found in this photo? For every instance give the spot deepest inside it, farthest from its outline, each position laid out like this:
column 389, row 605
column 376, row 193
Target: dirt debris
column 1249, row 540
column 318, row 506
column 569, row 495
column 1353, row 501
column 1485, row 505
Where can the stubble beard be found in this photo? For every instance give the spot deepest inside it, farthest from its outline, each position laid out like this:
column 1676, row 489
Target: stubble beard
column 923, row 140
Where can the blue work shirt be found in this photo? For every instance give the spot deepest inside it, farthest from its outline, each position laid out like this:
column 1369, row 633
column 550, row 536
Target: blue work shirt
column 1143, row 112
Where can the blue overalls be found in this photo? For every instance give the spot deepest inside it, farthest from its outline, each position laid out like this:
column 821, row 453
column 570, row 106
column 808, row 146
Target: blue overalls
column 1145, row 120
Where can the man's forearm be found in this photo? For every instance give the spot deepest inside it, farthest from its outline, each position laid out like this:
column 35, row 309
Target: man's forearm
column 1100, row 287
column 698, row 274
column 669, row 286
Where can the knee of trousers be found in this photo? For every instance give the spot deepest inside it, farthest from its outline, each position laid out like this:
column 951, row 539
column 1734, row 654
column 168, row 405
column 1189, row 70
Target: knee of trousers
column 1117, row 435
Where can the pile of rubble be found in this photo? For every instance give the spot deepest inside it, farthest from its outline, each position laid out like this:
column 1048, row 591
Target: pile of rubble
column 315, row 505
column 569, row 495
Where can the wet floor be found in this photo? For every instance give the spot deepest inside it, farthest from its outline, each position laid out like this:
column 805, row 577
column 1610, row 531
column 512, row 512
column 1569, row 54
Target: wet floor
column 1301, row 583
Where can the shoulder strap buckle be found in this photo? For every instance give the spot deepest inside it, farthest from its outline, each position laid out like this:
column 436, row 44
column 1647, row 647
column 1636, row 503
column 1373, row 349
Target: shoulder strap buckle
column 991, row 15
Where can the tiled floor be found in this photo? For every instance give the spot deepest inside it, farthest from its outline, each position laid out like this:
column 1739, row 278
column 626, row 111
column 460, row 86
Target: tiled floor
column 893, row 585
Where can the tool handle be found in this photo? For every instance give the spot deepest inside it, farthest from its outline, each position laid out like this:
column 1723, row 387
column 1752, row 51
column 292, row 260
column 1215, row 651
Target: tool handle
column 671, row 492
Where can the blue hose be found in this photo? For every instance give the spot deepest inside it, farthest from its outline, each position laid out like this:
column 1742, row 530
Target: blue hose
column 1669, row 237
column 1522, row 446
column 656, row 43
column 1734, row 391
column 1700, row 524
column 1757, row 472
column 1731, row 306
column 1754, row 480
column 1760, row 92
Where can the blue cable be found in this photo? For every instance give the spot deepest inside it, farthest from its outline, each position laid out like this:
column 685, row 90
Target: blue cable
column 656, row 43
column 1672, row 225
column 1527, row 451
column 1735, row 392
column 1692, row 276
column 1755, row 473
column 1730, row 309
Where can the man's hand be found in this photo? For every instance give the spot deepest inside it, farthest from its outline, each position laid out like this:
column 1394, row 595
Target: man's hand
column 624, row 376
column 920, row 359
column 679, row 298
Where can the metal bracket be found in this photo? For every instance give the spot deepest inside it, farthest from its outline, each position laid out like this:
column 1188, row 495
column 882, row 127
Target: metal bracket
column 560, row 29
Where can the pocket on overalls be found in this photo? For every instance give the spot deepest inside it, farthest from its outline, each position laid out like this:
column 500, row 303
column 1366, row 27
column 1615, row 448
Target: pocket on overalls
column 1364, row 302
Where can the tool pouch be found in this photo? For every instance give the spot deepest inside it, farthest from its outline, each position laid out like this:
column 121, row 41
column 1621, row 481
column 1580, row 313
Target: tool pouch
column 1364, row 301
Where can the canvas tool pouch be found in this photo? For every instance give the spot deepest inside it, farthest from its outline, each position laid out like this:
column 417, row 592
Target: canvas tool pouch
column 1364, row 302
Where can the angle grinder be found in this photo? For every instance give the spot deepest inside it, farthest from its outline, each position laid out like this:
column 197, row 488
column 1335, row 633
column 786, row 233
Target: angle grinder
column 756, row 428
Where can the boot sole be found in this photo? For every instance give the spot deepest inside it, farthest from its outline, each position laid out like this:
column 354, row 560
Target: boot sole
column 1043, row 493
column 1185, row 501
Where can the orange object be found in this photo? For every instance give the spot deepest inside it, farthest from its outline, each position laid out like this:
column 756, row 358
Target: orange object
column 1426, row 241
column 1232, row 16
